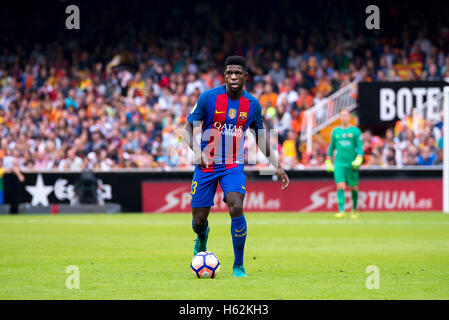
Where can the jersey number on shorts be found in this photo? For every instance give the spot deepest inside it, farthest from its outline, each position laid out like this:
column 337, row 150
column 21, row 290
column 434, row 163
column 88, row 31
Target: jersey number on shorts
column 194, row 184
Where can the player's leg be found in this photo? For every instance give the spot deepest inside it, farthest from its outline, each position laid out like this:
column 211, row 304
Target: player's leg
column 233, row 185
column 340, row 181
column 353, row 182
column 238, row 230
column 200, row 226
column 355, row 198
column 204, row 186
column 341, row 187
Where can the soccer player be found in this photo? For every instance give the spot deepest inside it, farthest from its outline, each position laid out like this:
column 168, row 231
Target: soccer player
column 225, row 113
column 346, row 140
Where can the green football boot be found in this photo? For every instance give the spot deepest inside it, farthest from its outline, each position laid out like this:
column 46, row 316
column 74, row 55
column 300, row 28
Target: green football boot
column 239, row 271
column 201, row 245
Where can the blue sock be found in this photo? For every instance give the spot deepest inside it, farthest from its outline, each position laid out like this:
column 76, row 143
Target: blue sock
column 201, row 232
column 238, row 231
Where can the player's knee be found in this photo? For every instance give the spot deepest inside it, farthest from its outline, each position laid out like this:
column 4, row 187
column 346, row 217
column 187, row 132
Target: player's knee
column 236, row 210
column 235, row 204
column 341, row 185
column 235, row 207
column 199, row 222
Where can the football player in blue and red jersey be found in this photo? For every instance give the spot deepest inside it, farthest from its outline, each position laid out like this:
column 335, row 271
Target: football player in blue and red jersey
column 224, row 114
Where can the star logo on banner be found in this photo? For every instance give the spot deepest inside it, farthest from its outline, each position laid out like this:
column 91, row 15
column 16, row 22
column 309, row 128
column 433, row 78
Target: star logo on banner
column 39, row 192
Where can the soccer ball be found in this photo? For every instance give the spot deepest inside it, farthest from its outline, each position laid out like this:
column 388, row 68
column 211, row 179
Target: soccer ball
column 205, row 265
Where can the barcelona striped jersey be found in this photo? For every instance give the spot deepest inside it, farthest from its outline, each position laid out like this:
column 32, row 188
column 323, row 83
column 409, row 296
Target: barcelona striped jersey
column 224, row 122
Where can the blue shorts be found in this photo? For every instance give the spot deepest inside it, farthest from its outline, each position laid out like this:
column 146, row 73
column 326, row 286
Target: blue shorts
column 204, row 184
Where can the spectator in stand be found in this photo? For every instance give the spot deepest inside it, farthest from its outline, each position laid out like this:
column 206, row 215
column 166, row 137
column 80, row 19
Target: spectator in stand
column 277, row 73
column 335, row 81
column 393, row 76
column 269, row 97
column 42, row 160
column 426, row 158
column 439, row 157
column 390, row 157
column 432, row 75
column 71, row 161
column 412, row 155
column 423, row 43
column 317, row 157
column 282, row 120
column 341, row 61
column 289, row 93
column 305, row 100
column 290, row 150
column 294, row 59
column 375, row 158
column 296, row 123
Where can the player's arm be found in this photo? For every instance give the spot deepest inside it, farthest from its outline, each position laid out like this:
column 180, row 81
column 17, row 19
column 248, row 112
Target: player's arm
column 188, row 137
column 263, row 143
column 194, row 120
column 359, row 151
column 16, row 170
column 330, row 153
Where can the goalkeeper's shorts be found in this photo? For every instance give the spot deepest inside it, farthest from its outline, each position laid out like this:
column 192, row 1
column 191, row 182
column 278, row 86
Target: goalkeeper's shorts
column 346, row 174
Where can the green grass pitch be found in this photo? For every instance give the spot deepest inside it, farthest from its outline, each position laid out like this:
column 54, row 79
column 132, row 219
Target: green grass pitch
column 287, row 256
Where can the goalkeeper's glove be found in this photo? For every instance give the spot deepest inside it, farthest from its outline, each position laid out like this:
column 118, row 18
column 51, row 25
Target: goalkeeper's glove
column 329, row 165
column 357, row 162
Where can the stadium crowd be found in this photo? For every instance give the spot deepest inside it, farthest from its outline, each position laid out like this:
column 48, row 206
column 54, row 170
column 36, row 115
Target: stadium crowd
column 122, row 105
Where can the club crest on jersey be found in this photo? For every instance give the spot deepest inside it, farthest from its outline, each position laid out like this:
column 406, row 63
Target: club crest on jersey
column 344, row 135
column 243, row 116
column 350, row 135
column 232, row 113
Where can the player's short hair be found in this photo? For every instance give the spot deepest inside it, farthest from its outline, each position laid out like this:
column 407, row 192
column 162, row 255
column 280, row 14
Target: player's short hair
column 236, row 60
column 344, row 109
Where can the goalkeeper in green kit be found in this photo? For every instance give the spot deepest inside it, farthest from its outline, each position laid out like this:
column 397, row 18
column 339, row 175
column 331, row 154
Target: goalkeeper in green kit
column 346, row 140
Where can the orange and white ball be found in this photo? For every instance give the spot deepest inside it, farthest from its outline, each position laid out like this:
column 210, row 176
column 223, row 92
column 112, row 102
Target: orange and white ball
column 205, row 265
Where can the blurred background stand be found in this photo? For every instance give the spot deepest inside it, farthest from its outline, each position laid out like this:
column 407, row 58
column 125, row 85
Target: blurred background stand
column 5, row 209
column 69, row 209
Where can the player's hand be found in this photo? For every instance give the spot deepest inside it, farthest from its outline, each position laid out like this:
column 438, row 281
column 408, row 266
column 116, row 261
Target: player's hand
column 201, row 160
column 284, row 178
column 329, row 165
column 357, row 162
